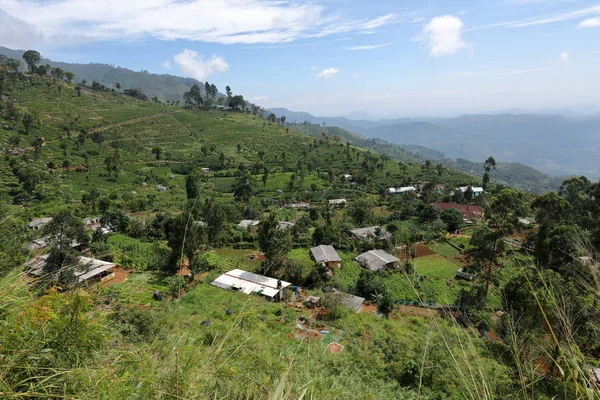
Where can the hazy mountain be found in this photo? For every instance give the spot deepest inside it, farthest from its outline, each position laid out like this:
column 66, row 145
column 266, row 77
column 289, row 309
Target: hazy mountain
column 360, row 115
column 554, row 144
column 165, row 87
column 356, row 126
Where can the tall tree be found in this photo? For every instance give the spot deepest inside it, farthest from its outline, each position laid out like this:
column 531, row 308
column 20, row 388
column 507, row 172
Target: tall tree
column 487, row 166
column 32, row 59
column 488, row 245
column 243, row 187
column 228, row 92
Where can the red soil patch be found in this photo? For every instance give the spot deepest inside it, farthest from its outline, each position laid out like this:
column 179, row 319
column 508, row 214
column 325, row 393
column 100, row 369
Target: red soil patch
column 421, row 251
column 256, row 256
column 368, row 308
column 120, row 277
column 334, row 348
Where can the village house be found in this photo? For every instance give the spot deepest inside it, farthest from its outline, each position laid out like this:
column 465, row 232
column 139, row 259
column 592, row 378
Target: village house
column 346, row 177
column 205, row 170
column 89, row 222
column 377, row 260
column 248, row 283
column 401, row 190
column 89, row 270
column 250, row 225
column 297, row 205
column 283, row 225
column 350, row 301
column 371, row 232
column 338, row 202
column 327, row 255
column 477, row 191
column 39, row 223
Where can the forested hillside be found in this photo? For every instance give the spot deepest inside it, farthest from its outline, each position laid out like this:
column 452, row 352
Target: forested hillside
column 512, row 174
column 164, row 86
column 152, row 250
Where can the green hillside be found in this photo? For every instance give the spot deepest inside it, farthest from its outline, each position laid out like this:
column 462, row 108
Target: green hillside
column 164, row 86
column 171, row 184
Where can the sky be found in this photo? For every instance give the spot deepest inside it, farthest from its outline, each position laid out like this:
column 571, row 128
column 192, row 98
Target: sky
column 388, row 58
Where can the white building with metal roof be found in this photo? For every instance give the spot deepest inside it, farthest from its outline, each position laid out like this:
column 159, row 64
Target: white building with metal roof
column 248, row 283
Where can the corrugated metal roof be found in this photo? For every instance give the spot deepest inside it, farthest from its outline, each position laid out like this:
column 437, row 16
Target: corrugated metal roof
column 370, row 231
column 90, row 267
column 325, row 253
column 246, row 223
column 375, row 260
column 337, row 201
column 248, row 282
column 350, row 301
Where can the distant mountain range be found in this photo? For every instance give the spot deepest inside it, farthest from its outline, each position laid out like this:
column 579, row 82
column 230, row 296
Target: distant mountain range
column 165, row 87
column 555, row 144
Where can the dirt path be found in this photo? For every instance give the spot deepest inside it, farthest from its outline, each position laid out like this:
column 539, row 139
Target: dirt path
column 132, row 121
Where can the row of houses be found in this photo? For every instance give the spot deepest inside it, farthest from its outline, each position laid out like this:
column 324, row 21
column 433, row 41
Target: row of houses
column 477, row 191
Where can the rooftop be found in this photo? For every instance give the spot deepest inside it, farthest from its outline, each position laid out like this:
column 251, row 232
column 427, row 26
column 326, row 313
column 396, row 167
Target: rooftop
column 376, row 260
column 325, row 253
column 370, row 231
column 248, row 282
column 247, row 223
column 39, row 222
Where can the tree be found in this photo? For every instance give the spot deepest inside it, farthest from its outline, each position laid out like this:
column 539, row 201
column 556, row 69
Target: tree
column 360, row 211
column 243, row 188
column 272, row 117
column 29, row 121
column 193, row 97
column 453, row 219
column 78, row 90
column 69, row 76
column 237, row 102
column 487, row 165
column 506, row 209
column 228, row 92
column 429, row 213
column 192, row 188
column 57, row 73
column 185, row 238
column 118, row 86
column 64, row 229
column 32, row 59
column 272, row 240
column 283, row 119
column 157, row 151
column 488, row 245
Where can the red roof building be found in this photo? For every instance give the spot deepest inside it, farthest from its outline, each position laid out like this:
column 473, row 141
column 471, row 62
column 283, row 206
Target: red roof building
column 469, row 211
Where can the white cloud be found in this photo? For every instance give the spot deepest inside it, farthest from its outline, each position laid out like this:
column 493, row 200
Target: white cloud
column 543, row 19
column 258, row 99
column 357, row 75
column 564, row 57
column 327, row 73
column 166, row 64
column 444, row 35
column 590, row 23
column 193, row 64
column 218, row 21
column 313, row 68
column 372, row 47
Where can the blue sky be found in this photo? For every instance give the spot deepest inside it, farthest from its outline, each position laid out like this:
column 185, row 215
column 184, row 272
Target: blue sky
column 387, row 58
